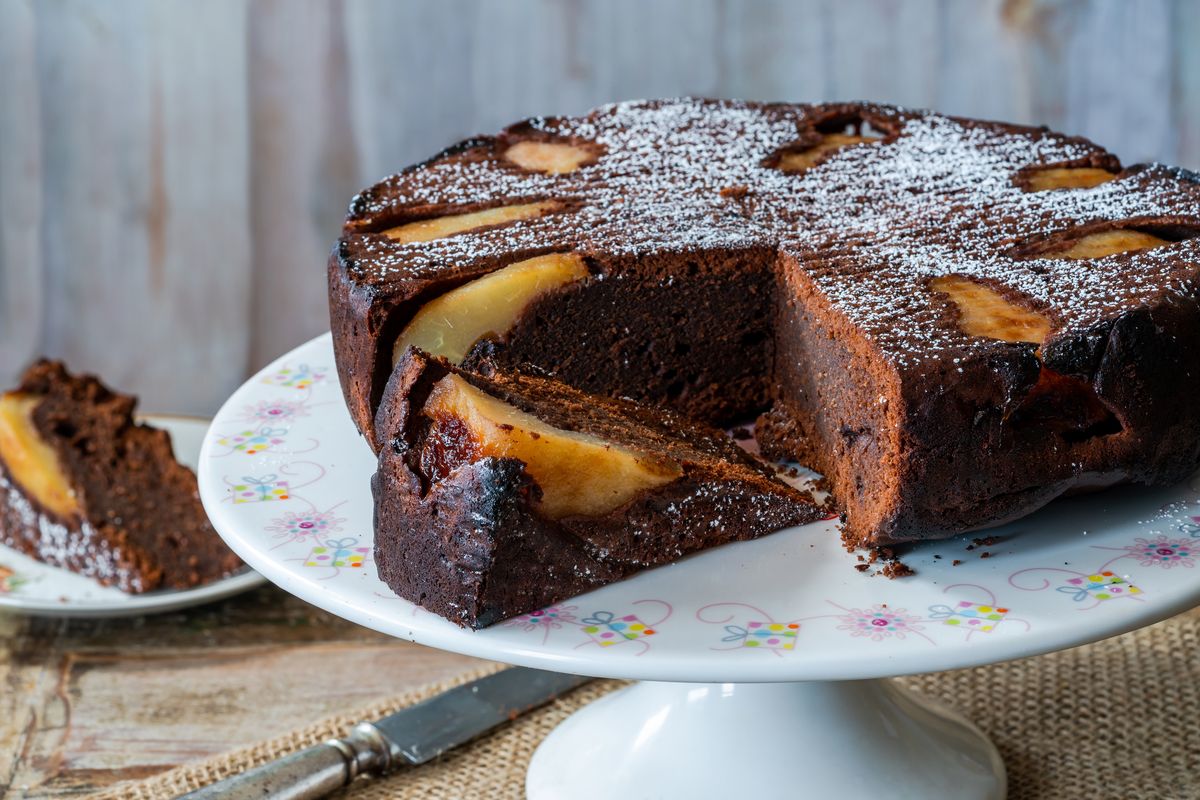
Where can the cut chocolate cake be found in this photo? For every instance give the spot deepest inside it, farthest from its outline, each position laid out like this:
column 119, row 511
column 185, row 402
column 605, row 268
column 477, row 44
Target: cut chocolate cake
column 85, row 487
column 956, row 321
column 498, row 493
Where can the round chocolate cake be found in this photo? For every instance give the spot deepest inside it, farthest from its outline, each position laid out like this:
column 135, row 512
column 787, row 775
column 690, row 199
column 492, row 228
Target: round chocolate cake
column 955, row 321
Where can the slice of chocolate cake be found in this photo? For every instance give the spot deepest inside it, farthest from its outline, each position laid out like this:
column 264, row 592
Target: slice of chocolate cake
column 498, row 493
column 85, row 487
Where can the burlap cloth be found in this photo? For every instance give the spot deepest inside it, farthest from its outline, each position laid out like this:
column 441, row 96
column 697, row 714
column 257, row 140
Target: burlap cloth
column 1119, row 719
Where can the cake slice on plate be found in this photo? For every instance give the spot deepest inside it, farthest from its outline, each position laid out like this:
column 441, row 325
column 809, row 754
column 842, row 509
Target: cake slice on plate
column 499, row 492
column 85, row 487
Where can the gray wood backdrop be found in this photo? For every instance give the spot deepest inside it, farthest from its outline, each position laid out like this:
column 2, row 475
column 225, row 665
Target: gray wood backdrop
column 172, row 173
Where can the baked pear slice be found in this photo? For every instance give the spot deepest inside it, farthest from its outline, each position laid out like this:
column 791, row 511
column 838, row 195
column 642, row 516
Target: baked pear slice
column 449, row 325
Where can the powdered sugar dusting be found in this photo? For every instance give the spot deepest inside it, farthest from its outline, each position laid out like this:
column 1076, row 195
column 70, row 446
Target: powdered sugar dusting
column 869, row 226
column 941, row 199
column 78, row 547
column 657, row 188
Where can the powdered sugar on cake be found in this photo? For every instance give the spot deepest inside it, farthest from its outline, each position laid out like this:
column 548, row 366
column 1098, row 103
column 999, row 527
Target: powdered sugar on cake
column 871, row 225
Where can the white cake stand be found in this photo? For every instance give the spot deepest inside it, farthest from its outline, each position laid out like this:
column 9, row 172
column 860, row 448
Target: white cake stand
column 762, row 663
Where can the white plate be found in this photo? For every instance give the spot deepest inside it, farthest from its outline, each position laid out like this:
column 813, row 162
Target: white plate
column 284, row 477
column 28, row 586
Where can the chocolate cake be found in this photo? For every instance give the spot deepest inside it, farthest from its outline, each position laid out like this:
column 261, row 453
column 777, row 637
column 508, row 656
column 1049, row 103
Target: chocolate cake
column 956, row 321
column 500, row 492
column 85, row 487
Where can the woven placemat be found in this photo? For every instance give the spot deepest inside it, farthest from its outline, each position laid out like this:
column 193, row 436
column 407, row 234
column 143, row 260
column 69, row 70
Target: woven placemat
column 1118, row 719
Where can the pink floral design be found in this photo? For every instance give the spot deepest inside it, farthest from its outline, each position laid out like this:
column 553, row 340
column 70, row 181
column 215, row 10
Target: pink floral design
column 549, row 617
column 1163, row 552
column 316, row 524
column 276, row 410
column 545, row 620
column 880, row 622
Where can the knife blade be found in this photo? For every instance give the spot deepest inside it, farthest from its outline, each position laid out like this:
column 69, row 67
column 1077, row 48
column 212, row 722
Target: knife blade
column 409, row 737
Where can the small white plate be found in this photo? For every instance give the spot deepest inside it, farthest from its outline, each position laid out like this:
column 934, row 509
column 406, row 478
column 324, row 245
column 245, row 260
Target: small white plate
column 28, row 586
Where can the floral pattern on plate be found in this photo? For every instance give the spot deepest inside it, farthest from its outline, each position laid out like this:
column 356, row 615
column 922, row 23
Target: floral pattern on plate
column 305, row 519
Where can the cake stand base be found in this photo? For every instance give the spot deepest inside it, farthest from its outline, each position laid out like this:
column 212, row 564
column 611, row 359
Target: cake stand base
column 848, row 740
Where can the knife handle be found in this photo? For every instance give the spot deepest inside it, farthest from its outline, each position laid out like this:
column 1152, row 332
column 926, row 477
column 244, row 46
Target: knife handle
column 309, row 774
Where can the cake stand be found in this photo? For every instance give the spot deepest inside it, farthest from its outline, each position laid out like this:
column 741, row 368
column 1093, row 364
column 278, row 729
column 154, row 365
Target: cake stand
column 762, row 664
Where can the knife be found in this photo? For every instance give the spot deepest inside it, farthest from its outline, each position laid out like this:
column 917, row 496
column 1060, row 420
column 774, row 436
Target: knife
column 411, row 736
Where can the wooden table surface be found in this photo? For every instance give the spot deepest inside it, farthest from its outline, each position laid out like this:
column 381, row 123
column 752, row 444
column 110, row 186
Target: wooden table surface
column 87, row 703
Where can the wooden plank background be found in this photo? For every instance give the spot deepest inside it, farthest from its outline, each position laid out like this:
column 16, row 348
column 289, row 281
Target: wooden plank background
column 172, row 174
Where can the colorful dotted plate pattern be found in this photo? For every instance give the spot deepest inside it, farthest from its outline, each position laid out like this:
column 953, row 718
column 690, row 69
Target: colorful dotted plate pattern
column 260, row 489
column 251, row 442
column 337, row 554
column 300, row 377
column 771, row 635
column 1104, row 586
column 606, row 629
column 975, row 615
column 287, row 482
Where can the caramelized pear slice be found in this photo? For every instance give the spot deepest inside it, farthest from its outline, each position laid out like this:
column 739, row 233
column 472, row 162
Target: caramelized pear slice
column 579, row 474
column 452, row 323
column 426, row 230
column 552, row 158
column 1067, row 178
column 1107, row 243
column 31, row 461
column 982, row 311
column 800, row 160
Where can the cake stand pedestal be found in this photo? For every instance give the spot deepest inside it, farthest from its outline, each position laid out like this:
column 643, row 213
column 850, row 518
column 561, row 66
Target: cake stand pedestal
column 763, row 659
column 854, row 740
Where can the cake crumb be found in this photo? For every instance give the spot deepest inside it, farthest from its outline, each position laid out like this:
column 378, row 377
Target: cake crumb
column 897, row 569
column 737, row 192
column 985, row 554
column 862, row 567
column 955, row 563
